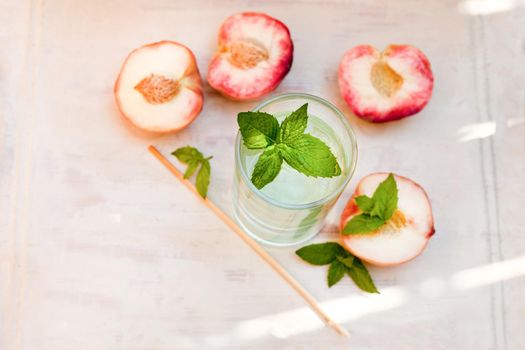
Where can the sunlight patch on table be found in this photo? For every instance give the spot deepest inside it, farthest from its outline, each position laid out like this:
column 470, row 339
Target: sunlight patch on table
column 476, row 131
column 488, row 274
column 487, row 7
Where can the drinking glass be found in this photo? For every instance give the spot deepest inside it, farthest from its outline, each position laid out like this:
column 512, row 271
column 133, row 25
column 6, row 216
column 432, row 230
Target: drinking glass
column 291, row 209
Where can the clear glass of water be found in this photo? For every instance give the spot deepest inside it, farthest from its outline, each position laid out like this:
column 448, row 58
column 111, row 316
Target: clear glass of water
column 291, row 209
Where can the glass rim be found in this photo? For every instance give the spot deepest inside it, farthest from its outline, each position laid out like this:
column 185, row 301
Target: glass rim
column 338, row 190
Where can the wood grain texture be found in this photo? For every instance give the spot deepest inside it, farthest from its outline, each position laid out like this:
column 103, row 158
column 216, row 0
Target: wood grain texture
column 101, row 250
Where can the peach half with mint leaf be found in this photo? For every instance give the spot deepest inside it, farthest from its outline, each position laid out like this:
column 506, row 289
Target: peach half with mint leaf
column 387, row 221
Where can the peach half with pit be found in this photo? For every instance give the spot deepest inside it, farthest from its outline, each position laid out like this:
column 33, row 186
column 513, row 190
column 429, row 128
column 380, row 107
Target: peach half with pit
column 159, row 88
column 385, row 86
column 254, row 55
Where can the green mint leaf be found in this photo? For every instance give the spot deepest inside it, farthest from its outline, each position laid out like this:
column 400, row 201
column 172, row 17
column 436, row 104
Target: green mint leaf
column 321, row 253
column 267, row 167
column 187, row 153
column 258, row 129
column 376, row 210
column 359, row 274
column 347, row 261
column 341, row 262
column 335, row 272
column 362, row 223
column 385, row 199
column 303, row 152
column 193, row 164
column 203, row 178
column 193, row 157
column 365, row 203
column 295, row 124
column 310, row 156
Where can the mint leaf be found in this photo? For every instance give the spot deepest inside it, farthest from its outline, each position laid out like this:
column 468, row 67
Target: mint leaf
column 361, row 277
column 321, row 253
column 362, row 223
column 384, row 201
column 365, row 203
column 348, row 261
column 193, row 164
column 341, row 262
column 295, row 124
column 267, row 167
column 376, row 210
column 258, row 129
column 303, row 152
column 310, row 156
column 187, row 153
column 203, row 178
column 385, row 198
column 335, row 272
column 193, row 157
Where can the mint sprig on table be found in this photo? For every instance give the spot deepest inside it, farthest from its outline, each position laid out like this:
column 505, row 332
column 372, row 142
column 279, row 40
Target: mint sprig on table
column 194, row 158
column 286, row 142
column 341, row 262
column 376, row 211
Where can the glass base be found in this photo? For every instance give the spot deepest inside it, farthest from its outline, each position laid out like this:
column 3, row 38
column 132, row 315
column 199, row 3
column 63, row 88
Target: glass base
column 273, row 239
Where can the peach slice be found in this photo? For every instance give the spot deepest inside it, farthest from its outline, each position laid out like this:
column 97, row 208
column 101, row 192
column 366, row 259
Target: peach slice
column 255, row 53
column 401, row 238
column 159, row 88
column 384, row 86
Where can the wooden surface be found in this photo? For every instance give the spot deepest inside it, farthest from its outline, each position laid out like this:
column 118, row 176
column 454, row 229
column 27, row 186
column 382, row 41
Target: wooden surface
column 100, row 248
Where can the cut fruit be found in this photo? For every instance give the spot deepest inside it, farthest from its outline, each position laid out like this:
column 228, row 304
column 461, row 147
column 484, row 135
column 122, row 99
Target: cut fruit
column 384, row 86
column 255, row 54
column 401, row 238
column 159, row 88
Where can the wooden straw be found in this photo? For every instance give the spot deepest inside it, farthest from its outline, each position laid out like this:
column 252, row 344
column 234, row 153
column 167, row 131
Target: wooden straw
column 253, row 244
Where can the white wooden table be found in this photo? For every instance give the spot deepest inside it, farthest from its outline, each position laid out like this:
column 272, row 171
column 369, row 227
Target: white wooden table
column 100, row 248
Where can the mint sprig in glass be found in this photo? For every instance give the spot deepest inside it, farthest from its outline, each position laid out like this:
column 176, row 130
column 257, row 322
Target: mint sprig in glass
column 294, row 155
column 287, row 142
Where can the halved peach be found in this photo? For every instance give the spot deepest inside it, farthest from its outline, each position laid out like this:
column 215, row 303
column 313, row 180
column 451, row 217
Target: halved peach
column 255, row 53
column 384, row 86
column 401, row 238
column 159, row 88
